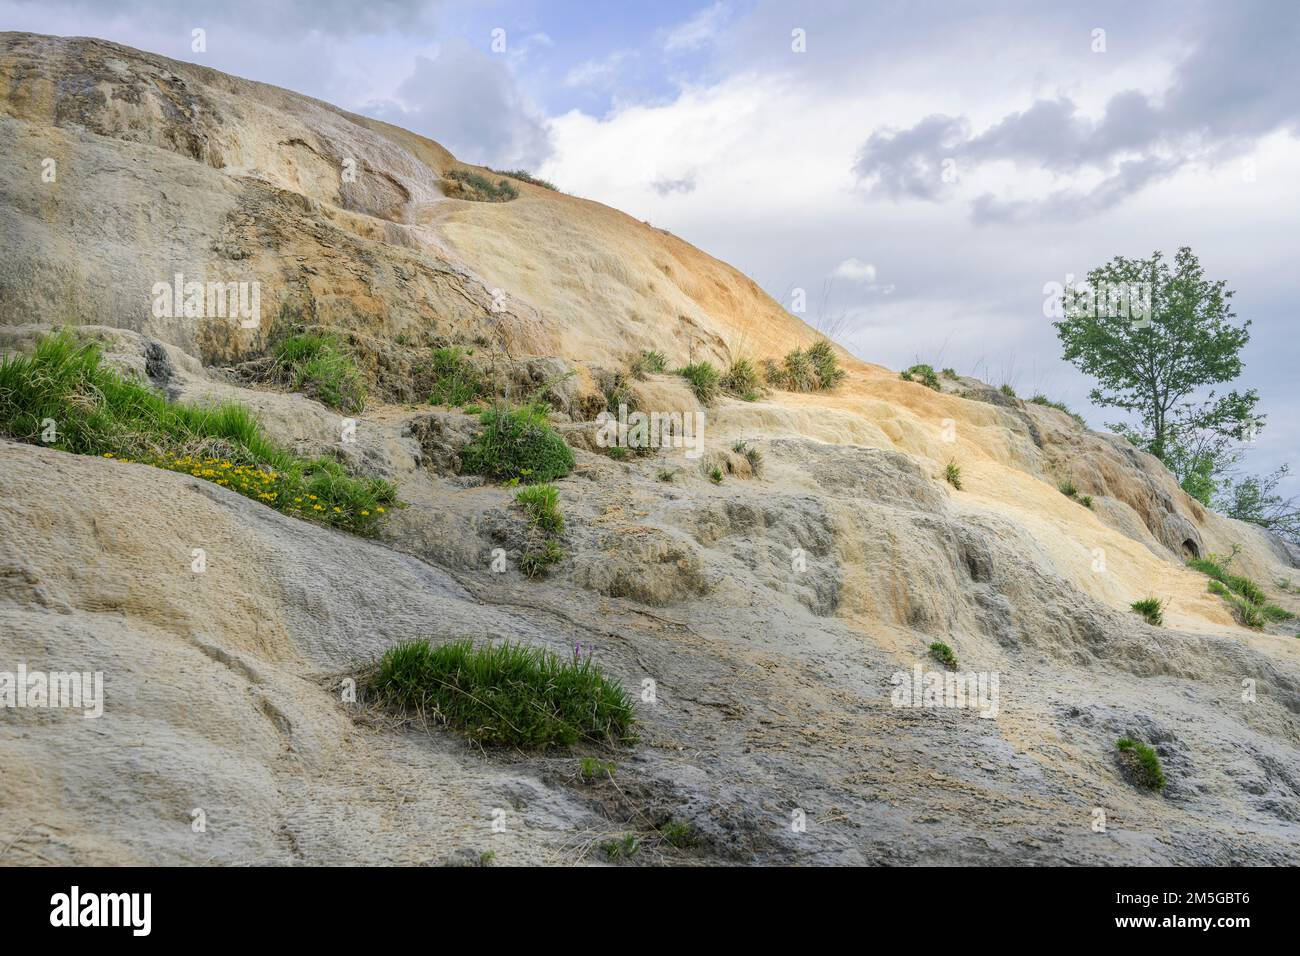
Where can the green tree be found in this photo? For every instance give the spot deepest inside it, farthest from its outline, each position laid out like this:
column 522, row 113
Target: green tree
column 1255, row 499
column 1153, row 334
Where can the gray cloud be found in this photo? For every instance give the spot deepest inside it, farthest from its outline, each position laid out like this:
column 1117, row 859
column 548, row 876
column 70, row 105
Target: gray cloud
column 470, row 102
column 666, row 187
column 1236, row 85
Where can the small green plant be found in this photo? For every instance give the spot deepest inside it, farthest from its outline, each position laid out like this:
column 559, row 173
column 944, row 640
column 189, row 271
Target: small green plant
column 1249, row 603
column 504, row 694
column 1006, row 389
column 318, row 365
column 1085, row 500
column 1153, row 609
column 741, row 378
column 621, row 849
column 822, row 355
column 704, row 380
column 617, row 452
column 799, row 373
column 949, row 373
column 517, row 442
column 679, row 834
column 952, row 473
column 667, row 474
column 455, row 381
column 98, row 411
column 591, row 769
column 1068, row 488
column 1041, row 399
column 648, row 361
column 538, row 559
column 1142, row 763
column 942, row 653
column 715, row 475
column 486, row 857
column 524, row 175
column 617, row 391
column 542, row 503
column 465, row 184
column 921, row 373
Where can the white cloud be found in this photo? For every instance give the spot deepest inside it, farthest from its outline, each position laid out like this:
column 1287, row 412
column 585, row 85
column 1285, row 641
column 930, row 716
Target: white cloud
column 700, row 30
column 855, row 270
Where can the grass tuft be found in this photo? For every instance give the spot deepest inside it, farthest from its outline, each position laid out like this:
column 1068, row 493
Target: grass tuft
column 1153, row 609
column 318, row 365
column 505, row 694
column 952, row 474
column 542, row 503
column 924, row 374
column 94, row 410
column 456, row 381
column 517, row 443
column 465, row 184
column 942, row 653
column 1142, row 762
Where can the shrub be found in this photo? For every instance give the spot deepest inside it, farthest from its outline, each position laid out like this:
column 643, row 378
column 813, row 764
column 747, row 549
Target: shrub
column 517, row 442
column 942, row 653
column 536, row 561
column 773, row 374
column 464, row 184
column 318, row 365
column 949, row 373
column 822, row 355
column 648, row 361
column 1006, row 389
column 923, row 374
column 524, row 175
column 456, row 381
column 703, row 379
column 741, row 378
column 505, row 694
column 715, row 475
column 799, row 374
column 1068, row 488
column 97, row 411
column 542, row 503
column 953, row 474
column 1152, row 609
column 1142, row 763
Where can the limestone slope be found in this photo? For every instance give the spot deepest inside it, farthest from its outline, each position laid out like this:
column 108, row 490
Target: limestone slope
column 773, row 673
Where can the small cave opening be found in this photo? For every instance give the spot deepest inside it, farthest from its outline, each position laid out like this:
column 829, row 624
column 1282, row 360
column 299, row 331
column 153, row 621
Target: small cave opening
column 1191, row 550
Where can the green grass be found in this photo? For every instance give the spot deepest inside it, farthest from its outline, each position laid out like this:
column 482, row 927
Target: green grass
column 318, row 365
column 924, row 374
column 646, row 362
column 624, row 848
column 799, row 373
column 822, row 355
column 505, row 694
column 715, row 475
column 741, row 378
column 478, row 188
column 455, row 380
column 537, row 560
column 1153, row 609
column 1041, row 399
column 704, row 379
column 666, row 474
column 616, row 388
column 517, row 442
column 952, row 474
column 1006, row 389
column 942, row 653
column 542, row 504
column 679, row 834
column 591, row 769
column 1249, row 602
column 1145, row 763
column 97, row 411
column 1085, row 500
column 1068, row 488
column 752, row 455
column 949, row 373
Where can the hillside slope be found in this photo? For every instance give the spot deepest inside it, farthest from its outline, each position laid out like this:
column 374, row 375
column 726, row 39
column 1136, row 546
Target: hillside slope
column 772, row 675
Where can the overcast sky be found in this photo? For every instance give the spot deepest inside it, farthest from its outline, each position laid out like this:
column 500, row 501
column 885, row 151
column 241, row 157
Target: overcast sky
column 920, row 169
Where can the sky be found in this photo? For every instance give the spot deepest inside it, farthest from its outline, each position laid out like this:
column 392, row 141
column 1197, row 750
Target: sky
column 921, row 170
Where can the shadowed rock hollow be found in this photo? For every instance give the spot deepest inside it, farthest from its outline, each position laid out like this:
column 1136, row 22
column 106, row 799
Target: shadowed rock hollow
column 770, row 610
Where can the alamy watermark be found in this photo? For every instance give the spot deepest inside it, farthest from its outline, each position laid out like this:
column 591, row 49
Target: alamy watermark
column 922, row 688
column 1114, row 300
column 208, row 300
column 76, row 690
column 652, row 430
